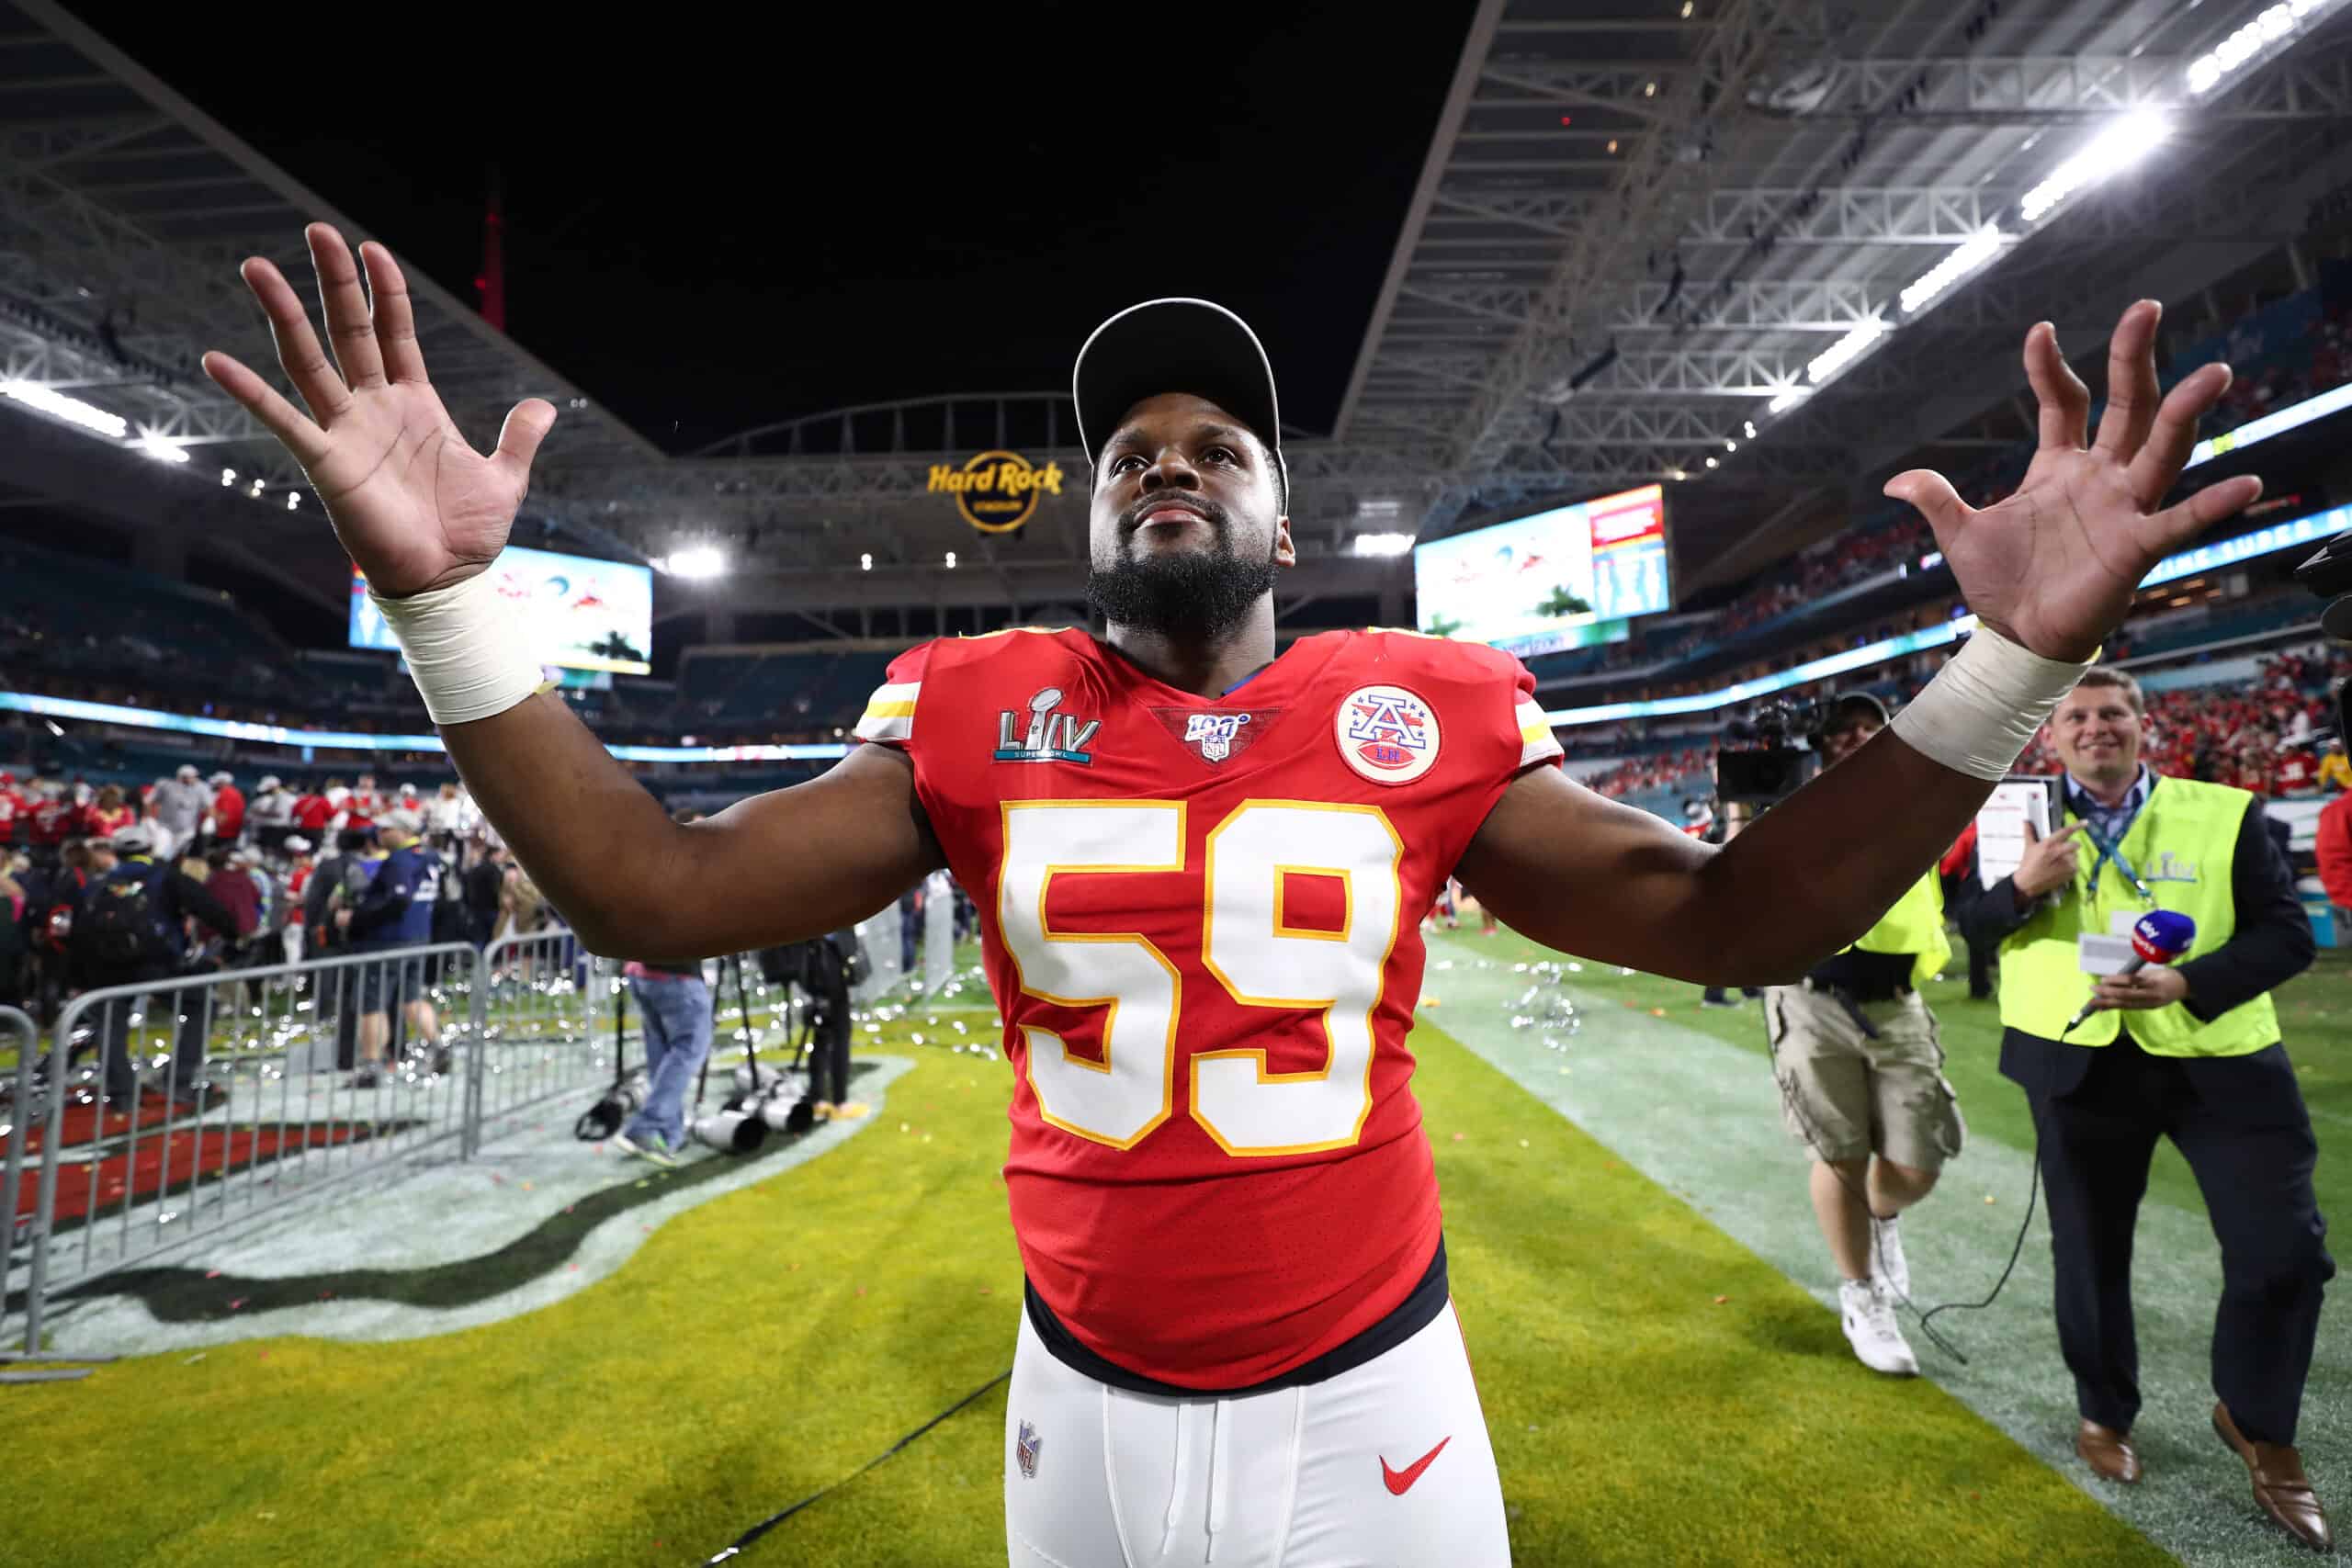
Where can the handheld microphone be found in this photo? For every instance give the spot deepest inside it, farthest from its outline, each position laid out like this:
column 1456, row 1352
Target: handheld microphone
column 2157, row 937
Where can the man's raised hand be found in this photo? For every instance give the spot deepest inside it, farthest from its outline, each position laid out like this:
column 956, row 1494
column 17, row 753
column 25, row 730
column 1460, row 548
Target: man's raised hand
column 415, row 507
column 2055, row 564
column 2048, row 862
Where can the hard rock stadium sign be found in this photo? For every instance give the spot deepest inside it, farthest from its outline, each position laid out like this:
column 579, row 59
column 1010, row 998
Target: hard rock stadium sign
column 996, row 492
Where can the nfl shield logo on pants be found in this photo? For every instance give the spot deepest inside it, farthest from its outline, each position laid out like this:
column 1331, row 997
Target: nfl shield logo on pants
column 1025, row 1450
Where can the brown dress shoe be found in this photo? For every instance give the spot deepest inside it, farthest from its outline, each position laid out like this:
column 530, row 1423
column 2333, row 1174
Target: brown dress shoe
column 2109, row 1452
column 2281, row 1488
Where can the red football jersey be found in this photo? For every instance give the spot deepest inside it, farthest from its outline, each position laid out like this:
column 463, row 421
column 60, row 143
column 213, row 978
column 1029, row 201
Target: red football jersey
column 1200, row 921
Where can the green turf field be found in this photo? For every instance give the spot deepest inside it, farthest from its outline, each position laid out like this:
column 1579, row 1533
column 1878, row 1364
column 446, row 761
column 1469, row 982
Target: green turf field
column 1658, row 1394
column 2315, row 1016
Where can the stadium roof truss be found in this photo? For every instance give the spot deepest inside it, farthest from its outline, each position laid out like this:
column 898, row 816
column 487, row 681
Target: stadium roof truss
column 124, row 213
column 1629, row 234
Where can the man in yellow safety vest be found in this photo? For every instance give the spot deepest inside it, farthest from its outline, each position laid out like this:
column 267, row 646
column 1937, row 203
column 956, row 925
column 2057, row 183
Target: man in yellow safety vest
column 2188, row 1050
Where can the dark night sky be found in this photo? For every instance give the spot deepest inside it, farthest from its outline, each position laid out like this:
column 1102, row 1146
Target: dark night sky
column 725, row 222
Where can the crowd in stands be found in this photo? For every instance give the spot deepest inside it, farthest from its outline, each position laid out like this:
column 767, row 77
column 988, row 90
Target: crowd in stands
column 1661, row 771
column 282, row 872
column 2274, row 737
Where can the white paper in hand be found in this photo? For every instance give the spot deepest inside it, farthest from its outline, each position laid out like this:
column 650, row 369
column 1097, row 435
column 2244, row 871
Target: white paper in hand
column 2016, row 803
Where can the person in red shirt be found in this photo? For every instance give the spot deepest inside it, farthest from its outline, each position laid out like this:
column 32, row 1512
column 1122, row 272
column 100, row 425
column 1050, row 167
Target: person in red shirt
column 1958, row 868
column 227, row 883
column 15, row 812
column 313, row 812
column 2298, row 774
column 2336, row 861
column 364, row 804
column 227, row 808
column 54, row 819
column 109, row 811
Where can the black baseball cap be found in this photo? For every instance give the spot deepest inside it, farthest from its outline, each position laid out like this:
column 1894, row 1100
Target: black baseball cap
column 1175, row 345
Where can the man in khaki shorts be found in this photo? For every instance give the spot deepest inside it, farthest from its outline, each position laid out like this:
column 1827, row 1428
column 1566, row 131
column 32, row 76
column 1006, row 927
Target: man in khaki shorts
column 1861, row 1073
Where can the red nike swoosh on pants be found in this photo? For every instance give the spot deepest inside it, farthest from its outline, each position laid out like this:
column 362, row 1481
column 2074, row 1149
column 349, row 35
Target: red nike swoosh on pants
column 1400, row 1481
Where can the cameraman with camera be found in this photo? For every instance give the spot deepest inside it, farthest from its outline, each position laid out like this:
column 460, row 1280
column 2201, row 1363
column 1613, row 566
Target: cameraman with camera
column 1860, row 1067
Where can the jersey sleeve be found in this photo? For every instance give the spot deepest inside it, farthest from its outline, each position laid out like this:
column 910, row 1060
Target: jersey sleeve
column 1537, row 745
column 889, row 717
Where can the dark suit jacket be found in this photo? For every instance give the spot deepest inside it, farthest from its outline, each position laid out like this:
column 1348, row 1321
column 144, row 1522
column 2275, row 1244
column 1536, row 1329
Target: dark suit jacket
column 2271, row 943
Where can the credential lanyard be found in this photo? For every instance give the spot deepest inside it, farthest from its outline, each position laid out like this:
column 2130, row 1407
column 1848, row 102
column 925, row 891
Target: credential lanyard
column 2112, row 849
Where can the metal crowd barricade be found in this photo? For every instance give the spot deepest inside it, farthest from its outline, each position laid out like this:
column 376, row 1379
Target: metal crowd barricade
column 21, row 1036
column 234, row 1094
column 543, row 1014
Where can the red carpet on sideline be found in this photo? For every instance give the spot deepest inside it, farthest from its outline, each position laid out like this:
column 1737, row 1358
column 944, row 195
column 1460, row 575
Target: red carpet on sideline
column 189, row 1151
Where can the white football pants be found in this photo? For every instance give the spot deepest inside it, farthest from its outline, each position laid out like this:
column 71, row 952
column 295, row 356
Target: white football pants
column 1386, row 1466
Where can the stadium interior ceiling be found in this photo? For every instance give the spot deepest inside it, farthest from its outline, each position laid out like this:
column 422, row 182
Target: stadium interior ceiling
column 1631, row 241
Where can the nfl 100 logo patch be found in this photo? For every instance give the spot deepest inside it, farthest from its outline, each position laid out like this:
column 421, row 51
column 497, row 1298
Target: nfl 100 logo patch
column 1214, row 732
column 1216, row 736
column 1025, row 1450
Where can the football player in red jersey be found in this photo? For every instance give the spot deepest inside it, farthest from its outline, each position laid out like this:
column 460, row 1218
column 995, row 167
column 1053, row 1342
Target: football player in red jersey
column 1200, row 867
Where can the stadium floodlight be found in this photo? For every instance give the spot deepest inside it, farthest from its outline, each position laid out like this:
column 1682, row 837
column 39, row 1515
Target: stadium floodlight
column 2271, row 31
column 1748, row 428
column 161, row 448
column 1962, row 260
column 700, row 561
column 1383, row 544
column 951, row 560
column 1846, row 350
column 255, row 490
column 865, row 562
column 1785, row 399
column 228, row 477
column 72, row 411
column 2123, row 143
column 293, row 499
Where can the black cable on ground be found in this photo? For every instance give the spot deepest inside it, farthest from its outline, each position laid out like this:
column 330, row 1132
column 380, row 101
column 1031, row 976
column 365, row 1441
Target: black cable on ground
column 757, row 1530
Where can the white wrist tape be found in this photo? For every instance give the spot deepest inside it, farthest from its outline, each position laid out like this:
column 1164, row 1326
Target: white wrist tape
column 468, row 649
column 1978, row 713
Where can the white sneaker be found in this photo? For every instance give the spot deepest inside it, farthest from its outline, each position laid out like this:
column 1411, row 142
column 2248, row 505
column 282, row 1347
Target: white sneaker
column 1868, row 1314
column 1888, row 1266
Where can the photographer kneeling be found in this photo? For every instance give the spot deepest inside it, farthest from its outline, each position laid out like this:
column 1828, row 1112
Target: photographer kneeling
column 1860, row 1072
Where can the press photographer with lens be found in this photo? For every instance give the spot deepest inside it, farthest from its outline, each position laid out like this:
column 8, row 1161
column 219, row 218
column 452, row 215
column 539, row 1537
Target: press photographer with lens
column 827, row 968
column 2113, row 1059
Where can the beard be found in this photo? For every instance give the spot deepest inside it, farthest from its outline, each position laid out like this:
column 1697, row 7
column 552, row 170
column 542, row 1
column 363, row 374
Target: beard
column 1184, row 595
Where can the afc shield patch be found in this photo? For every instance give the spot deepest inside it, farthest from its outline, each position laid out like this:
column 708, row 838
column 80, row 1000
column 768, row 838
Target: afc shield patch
column 1025, row 1450
column 1387, row 734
